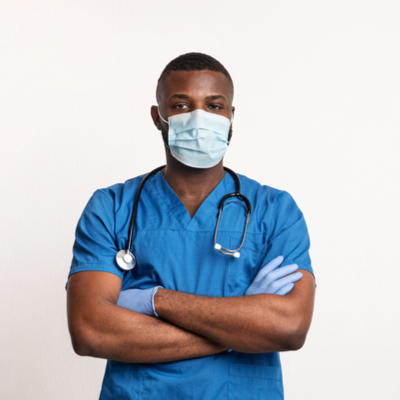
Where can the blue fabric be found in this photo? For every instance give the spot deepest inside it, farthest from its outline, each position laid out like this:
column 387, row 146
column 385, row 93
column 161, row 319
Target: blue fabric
column 176, row 251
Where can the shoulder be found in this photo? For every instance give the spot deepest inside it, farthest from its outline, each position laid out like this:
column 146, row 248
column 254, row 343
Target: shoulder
column 263, row 195
column 116, row 194
column 272, row 208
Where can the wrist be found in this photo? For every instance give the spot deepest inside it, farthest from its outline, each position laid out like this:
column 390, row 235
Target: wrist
column 157, row 300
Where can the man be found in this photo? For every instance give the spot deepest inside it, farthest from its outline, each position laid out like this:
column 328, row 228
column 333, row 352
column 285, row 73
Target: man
column 192, row 321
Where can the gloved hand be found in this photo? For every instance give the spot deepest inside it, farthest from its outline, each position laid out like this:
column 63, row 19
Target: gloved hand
column 139, row 300
column 273, row 280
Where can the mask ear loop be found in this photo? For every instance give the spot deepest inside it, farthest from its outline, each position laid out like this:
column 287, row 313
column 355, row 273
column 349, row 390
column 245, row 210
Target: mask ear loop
column 230, row 127
column 159, row 114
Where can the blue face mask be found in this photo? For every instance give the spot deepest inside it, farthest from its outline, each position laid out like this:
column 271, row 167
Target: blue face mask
column 198, row 139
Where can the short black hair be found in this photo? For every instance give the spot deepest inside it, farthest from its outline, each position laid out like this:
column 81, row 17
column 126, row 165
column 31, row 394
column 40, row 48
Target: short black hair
column 193, row 62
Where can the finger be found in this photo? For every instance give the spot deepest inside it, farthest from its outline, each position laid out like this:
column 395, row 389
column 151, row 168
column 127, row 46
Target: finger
column 280, row 272
column 285, row 281
column 286, row 289
column 276, row 262
column 271, row 284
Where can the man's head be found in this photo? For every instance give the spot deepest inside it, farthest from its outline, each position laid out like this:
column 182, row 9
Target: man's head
column 192, row 62
column 189, row 82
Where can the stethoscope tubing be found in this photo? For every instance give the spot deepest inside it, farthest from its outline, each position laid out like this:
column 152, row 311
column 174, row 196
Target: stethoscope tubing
column 131, row 261
column 223, row 250
column 136, row 205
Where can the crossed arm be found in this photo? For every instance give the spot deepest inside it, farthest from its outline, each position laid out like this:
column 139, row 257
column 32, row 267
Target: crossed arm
column 190, row 326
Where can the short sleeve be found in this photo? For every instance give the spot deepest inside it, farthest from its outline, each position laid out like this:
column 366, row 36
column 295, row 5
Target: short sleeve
column 95, row 246
column 288, row 234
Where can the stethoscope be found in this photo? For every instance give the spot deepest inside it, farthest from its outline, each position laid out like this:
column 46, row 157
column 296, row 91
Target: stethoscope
column 126, row 260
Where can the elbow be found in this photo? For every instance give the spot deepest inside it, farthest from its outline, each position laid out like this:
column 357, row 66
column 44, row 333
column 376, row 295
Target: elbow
column 81, row 342
column 296, row 334
column 288, row 338
column 80, row 347
column 296, row 341
column 289, row 335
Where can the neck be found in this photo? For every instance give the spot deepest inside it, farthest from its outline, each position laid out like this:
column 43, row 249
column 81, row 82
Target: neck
column 192, row 185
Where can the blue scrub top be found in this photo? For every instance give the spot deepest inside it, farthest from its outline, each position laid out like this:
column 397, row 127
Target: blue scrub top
column 177, row 251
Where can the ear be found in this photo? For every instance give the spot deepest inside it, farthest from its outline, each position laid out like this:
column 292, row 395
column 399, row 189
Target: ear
column 155, row 117
column 231, row 129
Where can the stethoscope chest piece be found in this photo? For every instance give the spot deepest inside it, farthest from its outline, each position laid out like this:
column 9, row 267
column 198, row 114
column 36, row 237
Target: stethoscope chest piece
column 125, row 260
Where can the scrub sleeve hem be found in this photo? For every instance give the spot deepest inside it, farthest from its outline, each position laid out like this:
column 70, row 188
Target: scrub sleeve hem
column 305, row 268
column 95, row 267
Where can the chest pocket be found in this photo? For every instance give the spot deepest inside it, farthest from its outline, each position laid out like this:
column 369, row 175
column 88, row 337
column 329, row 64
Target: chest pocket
column 242, row 271
column 255, row 382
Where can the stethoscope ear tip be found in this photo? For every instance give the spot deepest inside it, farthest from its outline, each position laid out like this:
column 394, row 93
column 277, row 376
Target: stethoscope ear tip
column 236, row 254
column 217, row 246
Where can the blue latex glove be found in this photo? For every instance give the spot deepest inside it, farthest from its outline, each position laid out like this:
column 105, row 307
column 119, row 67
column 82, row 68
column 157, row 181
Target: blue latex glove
column 273, row 280
column 139, row 300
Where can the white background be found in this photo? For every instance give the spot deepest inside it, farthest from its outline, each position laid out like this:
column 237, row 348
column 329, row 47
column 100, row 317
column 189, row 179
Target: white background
column 317, row 114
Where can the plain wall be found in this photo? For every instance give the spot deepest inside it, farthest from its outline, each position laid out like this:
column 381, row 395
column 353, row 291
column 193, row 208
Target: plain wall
column 317, row 96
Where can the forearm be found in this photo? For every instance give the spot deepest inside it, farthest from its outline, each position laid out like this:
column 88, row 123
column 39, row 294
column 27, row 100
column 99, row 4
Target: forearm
column 100, row 328
column 123, row 335
column 252, row 324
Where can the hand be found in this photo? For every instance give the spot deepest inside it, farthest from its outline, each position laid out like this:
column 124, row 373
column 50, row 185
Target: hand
column 139, row 300
column 273, row 280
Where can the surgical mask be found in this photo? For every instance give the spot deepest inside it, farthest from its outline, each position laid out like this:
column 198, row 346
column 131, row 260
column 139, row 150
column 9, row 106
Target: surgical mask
column 198, row 139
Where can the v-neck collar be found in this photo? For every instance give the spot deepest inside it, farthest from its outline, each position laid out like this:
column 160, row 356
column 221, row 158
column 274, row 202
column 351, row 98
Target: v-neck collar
column 209, row 206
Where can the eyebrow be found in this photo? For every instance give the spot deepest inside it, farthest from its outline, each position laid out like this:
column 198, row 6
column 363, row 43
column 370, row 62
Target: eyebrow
column 215, row 97
column 185, row 96
column 179, row 96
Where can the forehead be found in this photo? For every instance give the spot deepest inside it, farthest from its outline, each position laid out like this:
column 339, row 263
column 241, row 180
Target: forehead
column 198, row 84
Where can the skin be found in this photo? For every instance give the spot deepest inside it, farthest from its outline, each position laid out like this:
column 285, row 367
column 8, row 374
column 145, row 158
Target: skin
column 186, row 91
column 190, row 325
column 99, row 328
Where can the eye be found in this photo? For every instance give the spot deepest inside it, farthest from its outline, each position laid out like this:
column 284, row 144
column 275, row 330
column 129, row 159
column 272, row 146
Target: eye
column 181, row 106
column 215, row 106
